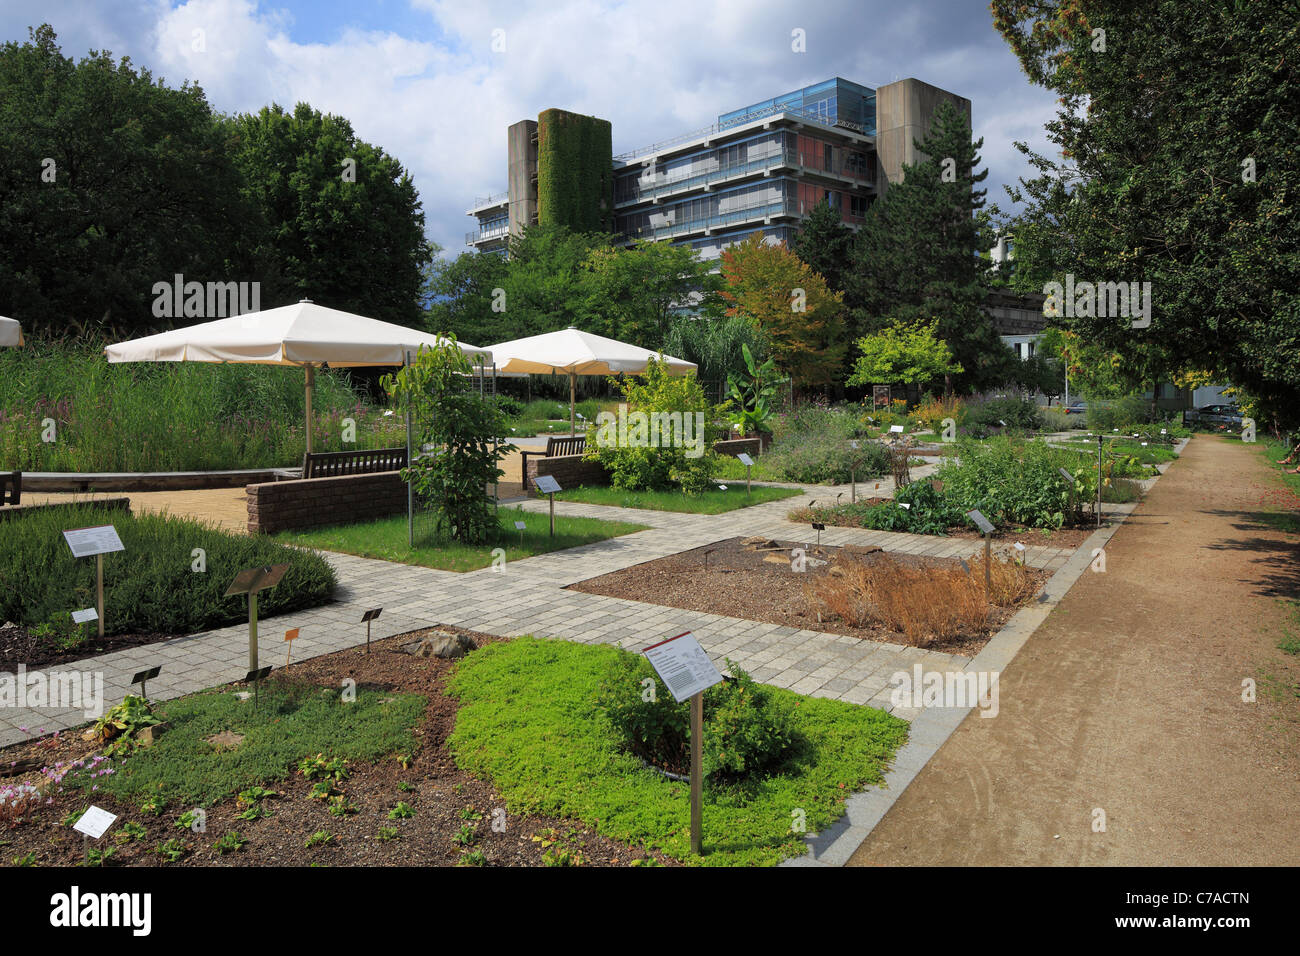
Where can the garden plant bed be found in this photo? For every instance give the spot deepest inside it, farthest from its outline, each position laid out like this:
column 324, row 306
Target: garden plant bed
column 452, row 812
column 720, row 498
column 21, row 645
column 745, row 583
column 1071, row 537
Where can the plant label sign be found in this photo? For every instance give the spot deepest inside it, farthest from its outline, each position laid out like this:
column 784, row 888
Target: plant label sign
column 88, row 542
column 981, row 522
column 86, row 616
column 546, row 484
column 521, row 526
column 1066, row 475
column 745, row 459
column 896, row 429
column 683, row 666
column 94, row 822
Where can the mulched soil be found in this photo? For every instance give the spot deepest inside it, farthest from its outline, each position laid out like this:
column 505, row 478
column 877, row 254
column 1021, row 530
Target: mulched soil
column 439, row 794
column 1068, row 537
column 739, row 583
column 18, row 645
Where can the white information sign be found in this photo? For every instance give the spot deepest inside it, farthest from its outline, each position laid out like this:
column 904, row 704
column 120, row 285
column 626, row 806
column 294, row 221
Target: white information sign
column 1066, row 475
column 94, row 822
column 682, row 664
column 88, row 542
column 83, row 617
column 981, row 522
column 745, row 459
column 897, row 429
column 520, row 526
column 546, row 484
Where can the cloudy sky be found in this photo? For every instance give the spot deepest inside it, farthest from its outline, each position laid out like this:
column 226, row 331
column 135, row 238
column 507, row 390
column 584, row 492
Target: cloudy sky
column 422, row 79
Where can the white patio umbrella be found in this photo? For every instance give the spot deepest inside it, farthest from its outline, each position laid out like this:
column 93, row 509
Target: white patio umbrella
column 304, row 334
column 573, row 353
column 11, row 333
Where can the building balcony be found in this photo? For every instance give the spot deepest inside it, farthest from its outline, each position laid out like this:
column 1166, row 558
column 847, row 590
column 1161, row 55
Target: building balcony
column 762, row 211
column 656, row 190
column 487, row 234
column 494, row 201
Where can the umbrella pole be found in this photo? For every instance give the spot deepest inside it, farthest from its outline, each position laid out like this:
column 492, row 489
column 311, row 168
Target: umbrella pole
column 410, row 488
column 311, row 378
column 573, row 403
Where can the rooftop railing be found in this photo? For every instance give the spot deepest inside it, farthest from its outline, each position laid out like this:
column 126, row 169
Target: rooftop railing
column 807, row 116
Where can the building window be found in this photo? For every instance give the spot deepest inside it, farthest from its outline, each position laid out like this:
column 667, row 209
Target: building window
column 1031, row 349
column 828, row 152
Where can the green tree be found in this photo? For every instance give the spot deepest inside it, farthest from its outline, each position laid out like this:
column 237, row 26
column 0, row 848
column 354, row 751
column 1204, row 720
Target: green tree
column 547, row 280
column 461, row 426
column 342, row 221
column 826, row 244
column 634, row 293
column 917, row 255
column 109, row 182
column 905, row 354
column 463, row 298
column 1178, row 170
column 801, row 318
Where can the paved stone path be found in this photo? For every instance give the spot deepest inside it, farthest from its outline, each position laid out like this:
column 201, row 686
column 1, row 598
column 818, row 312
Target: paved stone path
column 528, row 597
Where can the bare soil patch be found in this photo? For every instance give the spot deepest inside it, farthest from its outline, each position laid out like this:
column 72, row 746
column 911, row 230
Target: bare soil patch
column 447, row 803
column 760, row 585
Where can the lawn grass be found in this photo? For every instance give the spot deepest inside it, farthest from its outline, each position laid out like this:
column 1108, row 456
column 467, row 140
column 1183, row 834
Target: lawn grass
column 386, row 539
column 715, row 501
column 290, row 722
column 528, row 724
column 1282, row 510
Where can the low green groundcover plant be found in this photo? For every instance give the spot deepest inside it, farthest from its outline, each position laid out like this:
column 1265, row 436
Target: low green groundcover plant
column 153, row 586
column 291, row 722
column 530, row 722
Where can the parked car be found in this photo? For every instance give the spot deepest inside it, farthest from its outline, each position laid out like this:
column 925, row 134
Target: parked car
column 1077, row 408
column 1229, row 415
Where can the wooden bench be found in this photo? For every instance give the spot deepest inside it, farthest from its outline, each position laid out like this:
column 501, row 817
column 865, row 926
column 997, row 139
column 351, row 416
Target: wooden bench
column 11, row 487
column 336, row 464
column 567, row 445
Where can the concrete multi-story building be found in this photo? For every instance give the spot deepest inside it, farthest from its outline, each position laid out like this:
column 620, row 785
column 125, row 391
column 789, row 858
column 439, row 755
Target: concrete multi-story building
column 763, row 167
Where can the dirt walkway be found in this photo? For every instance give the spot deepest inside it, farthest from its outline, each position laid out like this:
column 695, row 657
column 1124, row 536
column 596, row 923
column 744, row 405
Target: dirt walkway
column 1129, row 700
column 225, row 507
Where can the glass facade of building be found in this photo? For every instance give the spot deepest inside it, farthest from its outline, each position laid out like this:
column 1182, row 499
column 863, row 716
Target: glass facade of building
column 834, row 102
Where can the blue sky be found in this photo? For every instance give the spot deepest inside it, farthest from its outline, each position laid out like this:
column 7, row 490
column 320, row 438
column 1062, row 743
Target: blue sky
column 421, row 79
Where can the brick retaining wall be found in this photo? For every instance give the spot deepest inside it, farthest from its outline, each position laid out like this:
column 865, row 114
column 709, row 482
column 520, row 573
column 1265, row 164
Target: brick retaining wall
column 569, row 470
column 315, row 502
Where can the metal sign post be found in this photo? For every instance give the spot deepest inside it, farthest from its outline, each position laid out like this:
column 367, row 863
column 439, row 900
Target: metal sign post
column 687, row 672
column 97, row 541
column 366, row 618
column 144, row 676
column 986, row 528
column 547, row 485
column 748, row 463
column 256, row 676
column 1100, row 438
column 250, row 582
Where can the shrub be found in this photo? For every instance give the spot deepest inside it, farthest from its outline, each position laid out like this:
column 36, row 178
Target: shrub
column 747, row 730
column 461, row 426
column 927, row 604
column 150, row 587
column 1123, row 413
column 813, row 446
column 1021, row 414
column 636, row 467
column 931, row 413
column 1056, row 420
column 1011, row 481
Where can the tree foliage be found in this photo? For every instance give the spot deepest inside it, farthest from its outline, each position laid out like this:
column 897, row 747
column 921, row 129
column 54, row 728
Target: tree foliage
column 1178, row 170
column 461, row 426
column 903, row 355
column 917, row 256
column 792, row 305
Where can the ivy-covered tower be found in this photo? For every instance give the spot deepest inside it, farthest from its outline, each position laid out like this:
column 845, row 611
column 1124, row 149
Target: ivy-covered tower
column 575, row 171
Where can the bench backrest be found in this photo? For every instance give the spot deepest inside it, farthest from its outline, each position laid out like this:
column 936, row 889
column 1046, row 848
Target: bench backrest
column 566, row 446
column 333, row 464
column 11, row 487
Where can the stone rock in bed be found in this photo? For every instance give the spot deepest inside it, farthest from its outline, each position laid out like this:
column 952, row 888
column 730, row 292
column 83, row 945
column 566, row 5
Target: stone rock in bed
column 441, row 644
